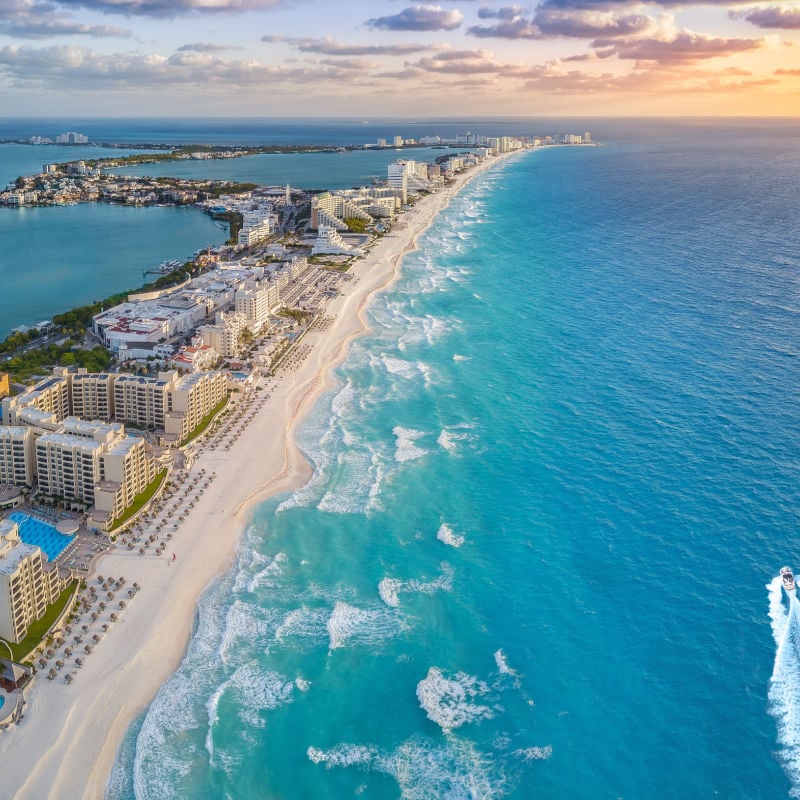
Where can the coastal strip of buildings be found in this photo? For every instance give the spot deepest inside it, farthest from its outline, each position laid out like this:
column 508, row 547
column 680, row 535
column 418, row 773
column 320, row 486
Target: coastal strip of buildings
column 66, row 437
column 95, row 442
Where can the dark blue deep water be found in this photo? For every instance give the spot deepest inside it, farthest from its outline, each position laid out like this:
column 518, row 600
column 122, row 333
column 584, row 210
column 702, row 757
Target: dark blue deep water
column 553, row 486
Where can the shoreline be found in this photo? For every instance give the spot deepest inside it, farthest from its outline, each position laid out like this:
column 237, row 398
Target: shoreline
column 67, row 744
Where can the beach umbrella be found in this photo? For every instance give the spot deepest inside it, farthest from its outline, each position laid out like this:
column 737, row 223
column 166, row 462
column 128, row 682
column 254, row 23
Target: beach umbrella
column 122, row 604
column 99, row 578
column 79, row 661
column 50, row 653
column 59, row 663
column 68, row 678
column 141, row 551
column 96, row 638
column 88, row 648
column 136, row 585
column 114, row 617
column 85, row 628
column 110, row 595
column 102, row 605
column 122, row 581
column 51, row 674
column 42, row 662
column 68, row 628
column 105, row 626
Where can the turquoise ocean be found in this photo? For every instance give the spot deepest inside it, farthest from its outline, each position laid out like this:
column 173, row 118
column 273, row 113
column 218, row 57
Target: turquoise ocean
column 552, row 488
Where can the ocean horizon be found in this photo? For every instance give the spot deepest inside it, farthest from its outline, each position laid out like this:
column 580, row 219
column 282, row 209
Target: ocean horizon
column 552, row 487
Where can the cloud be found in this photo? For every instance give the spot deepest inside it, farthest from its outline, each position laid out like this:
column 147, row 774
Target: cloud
column 420, row 18
column 510, row 24
column 772, row 17
column 75, row 69
column 30, row 19
column 468, row 66
column 787, row 71
column 686, row 47
column 206, row 47
column 329, row 47
column 460, row 55
column 170, row 8
column 585, row 24
column 547, row 23
column 355, row 64
column 606, row 5
column 504, row 12
column 555, row 79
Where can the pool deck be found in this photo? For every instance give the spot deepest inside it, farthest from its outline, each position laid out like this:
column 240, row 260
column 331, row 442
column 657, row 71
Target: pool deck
column 85, row 547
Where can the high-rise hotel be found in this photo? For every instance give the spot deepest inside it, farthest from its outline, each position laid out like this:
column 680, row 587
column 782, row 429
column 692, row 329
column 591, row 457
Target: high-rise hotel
column 27, row 584
column 67, row 433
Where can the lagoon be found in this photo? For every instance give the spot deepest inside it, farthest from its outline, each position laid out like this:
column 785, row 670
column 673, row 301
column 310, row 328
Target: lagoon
column 26, row 159
column 339, row 170
column 58, row 257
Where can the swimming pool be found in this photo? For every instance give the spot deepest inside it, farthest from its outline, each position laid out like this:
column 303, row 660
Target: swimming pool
column 33, row 531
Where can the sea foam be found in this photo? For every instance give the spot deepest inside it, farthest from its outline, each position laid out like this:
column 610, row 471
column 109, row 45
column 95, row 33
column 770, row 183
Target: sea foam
column 449, row 702
column 348, row 624
column 405, row 447
column 451, row 770
column 390, row 589
column 448, row 536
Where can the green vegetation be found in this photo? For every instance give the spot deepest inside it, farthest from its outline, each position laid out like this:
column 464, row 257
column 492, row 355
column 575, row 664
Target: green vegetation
column 246, row 337
column 356, row 225
column 295, row 314
column 219, row 188
column 17, row 340
column 204, row 423
column 39, row 630
column 234, row 220
column 141, row 499
column 181, row 154
column 40, row 359
column 78, row 319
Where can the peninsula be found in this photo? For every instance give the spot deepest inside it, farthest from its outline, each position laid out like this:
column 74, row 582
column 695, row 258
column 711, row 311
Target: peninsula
column 233, row 358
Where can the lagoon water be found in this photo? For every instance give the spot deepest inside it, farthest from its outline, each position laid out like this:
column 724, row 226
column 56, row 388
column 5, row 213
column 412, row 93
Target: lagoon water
column 341, row 170
column 23, row 159
column 552, row 486
column 58, row 257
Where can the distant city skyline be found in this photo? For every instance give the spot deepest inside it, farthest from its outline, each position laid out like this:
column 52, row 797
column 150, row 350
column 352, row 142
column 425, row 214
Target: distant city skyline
column 393, row 58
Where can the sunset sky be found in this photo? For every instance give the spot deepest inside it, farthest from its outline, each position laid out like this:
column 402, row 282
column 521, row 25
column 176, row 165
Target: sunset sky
column 394, row 58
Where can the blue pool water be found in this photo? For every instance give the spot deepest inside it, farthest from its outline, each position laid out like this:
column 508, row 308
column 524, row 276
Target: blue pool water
column 32, row 531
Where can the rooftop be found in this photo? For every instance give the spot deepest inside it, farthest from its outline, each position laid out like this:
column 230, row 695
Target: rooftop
column 66, row 440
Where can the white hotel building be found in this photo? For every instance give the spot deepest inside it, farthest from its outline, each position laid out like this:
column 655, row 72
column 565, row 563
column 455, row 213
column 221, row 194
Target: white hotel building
column 27, row 587
column 95, row 462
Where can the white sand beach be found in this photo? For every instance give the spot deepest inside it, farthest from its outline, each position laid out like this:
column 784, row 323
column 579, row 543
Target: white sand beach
column 64, row 748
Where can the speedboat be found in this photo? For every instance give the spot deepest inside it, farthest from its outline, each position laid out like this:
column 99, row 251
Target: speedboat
column 788, row 580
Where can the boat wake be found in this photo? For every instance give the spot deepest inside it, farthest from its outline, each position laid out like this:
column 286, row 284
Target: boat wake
column 784, row 690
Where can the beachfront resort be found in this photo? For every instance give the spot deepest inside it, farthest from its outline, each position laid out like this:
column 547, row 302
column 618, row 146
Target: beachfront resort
column 93, row 461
